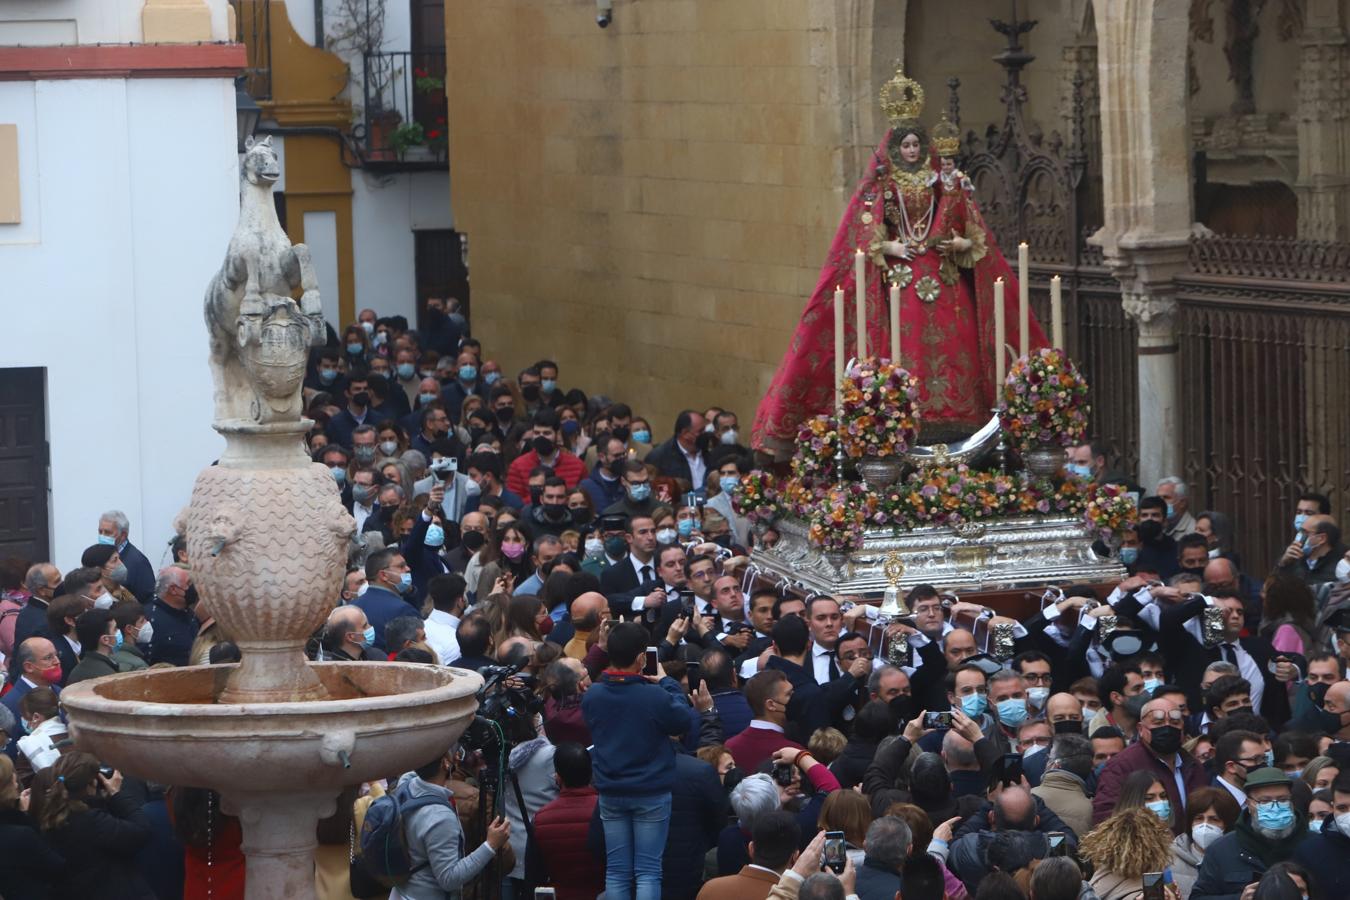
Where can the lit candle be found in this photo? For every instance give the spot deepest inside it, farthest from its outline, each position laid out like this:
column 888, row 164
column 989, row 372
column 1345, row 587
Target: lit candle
column 1023, row 302
column 1057, row 311
column 999, row 338
column 838, row 350
column 860, row 283
column 895, row 323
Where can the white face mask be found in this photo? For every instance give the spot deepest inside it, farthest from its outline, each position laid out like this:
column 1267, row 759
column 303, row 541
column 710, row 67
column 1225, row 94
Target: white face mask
column 1343, row 824
column 1032, row 750
column 1214, row 554
column 146, row 634
column 1343, row 570
column 1205, row 833
column 105, row 601
column 1037, row 696
column 666, row 536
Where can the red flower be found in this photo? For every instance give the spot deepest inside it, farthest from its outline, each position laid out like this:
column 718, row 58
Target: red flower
column 420, row 73
column 433, row 135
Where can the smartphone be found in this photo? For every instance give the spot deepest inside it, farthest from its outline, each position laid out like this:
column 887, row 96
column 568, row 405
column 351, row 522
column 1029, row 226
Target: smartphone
column 1154, row 886
column 1010, row 769
column 544, row 893
column 937, row 720
column 649, row 665
column 1056, row 843
column 782, row 773
column 106, row 771
column 692, row 667
column 832, row 856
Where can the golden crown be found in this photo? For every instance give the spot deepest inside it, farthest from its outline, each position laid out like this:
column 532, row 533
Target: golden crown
column 901, row 98
column 946, row 138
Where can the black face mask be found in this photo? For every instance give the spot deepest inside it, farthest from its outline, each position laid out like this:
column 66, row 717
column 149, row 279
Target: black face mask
column 473, row 541
column 620, row 432
column 361, row 398
column 1069, row 726
column 554, row 511
column 581, row 515
column 535, row 494
column 544, row 446
column 1329, row 722
column 530, row 392
column 505, row 414
column 1165, row 739
column 1241, row 710
column 1318, row 692
column 902, row 708
column 1194, row 570
column 616, row 547
column 1149, row 531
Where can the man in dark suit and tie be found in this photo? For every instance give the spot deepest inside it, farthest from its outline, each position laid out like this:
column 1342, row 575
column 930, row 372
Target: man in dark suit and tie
column 113, row 527
column 390, row 579
column 680, row 457
column 629, row 582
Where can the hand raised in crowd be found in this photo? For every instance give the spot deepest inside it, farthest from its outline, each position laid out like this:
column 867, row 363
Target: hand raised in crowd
column 849, row 877
column 898, row 628
column 853, row 615
column 703, row 701
column 1285, row 671
column 965, row 726
column 436, row 496
column 602, row 634
column 504, row 583
column 1292, row 554
column 112, row 784
column 498, row 833
column 860, row 667
column 655, row 599
column 808, row 862
column 702, row 624
column 678, row 629
column 914, row 728
column 947, row 830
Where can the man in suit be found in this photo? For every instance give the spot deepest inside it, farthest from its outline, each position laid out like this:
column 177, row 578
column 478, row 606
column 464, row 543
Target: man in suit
column 39, row 666
column 814, row 704
column 1181, row 638
column 629, row 582
column 390, row 578
column 113, row 528
column 680, row 457
column 773, row 847
column 357, row 412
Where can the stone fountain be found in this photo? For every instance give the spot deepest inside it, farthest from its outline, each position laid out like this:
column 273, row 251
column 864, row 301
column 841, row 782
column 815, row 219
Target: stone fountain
column 276, row 736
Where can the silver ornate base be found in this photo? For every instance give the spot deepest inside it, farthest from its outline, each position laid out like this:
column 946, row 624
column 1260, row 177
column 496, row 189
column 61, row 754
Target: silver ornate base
column 1024, row 552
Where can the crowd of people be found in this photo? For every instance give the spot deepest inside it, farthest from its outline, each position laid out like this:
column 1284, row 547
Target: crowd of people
column 659, row 721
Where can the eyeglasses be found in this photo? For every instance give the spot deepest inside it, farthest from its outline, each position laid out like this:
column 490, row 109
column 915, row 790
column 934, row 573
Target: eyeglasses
column 1173, row 715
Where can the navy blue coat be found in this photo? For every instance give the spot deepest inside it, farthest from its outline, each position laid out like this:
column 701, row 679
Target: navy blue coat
column 382, row 606
column 698, row 811
column 140, row 574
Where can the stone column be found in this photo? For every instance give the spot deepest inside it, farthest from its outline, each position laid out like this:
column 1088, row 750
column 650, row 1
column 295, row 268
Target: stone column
column 279, row 840
column 1323, row 129
column 1146, row 191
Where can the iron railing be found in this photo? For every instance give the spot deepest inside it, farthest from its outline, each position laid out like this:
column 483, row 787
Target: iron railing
column 253, row 29
column 404, row 108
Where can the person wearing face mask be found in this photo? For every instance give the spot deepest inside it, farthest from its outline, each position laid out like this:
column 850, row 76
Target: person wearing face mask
column 550, row 516
column 637, row 486
column 1158, row 750
column 135, row 629
column 544, row 451
column 423, row 546
column 605, row 483
column 349, row 637
column 466, row 382
column 1269, row 831
column 1315, row 553
column 485, row 468
column 139, row 578
column 37, row 665
column 1211, row 814
column 1192, row 554
column 1064, row 786
column 680, row 457
column 42, row 582
column 1326, row 855
column 548, row 381
column 325, row 373
column 1157, row 551
column 729, row 465
column 725, row 429
column 390, row 579
column 99, row 637
column 1180, row 522
column 360, row 495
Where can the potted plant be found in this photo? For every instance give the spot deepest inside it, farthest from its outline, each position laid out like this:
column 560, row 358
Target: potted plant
column 407, row 134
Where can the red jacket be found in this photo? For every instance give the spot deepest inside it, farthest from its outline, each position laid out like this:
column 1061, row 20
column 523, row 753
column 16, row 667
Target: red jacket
column 754, row 745
column 1138, row 756
column 567, row 467
column 560, row 831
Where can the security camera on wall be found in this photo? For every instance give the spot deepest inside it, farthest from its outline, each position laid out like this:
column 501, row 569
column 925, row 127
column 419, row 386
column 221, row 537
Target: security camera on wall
column 604, row 12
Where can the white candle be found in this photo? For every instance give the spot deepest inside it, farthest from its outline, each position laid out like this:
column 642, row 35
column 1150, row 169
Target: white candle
column 860, row 283
column 895, row 324
column 1057, row 312
column 1023, row 302
column 999, row 338
column 838, row 350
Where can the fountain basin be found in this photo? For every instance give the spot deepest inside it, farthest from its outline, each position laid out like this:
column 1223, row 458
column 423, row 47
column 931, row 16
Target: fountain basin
column 167, row 725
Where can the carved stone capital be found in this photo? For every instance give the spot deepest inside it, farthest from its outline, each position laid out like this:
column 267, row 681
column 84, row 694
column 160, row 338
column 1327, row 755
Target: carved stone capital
column 1147, row 270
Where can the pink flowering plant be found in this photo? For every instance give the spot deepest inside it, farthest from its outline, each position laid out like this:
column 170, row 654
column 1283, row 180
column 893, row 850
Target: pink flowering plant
column 758, row 497
column 1111, row 511
column 817, row 441
column 837, row 522
column 880, row 409
column 1044, row 401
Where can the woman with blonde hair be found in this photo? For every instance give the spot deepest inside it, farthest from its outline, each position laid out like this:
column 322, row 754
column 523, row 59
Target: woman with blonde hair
column 1124, row 847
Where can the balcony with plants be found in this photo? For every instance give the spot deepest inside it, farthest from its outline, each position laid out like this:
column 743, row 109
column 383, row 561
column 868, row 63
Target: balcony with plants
column 404, row 110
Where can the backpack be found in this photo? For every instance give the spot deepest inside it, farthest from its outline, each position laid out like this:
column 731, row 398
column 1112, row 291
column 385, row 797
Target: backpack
column 384, row 845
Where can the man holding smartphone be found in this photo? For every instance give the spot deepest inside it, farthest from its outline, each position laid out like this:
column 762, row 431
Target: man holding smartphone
column 631, row 718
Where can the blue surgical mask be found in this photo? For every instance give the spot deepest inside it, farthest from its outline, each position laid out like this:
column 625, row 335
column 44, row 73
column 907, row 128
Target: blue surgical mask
column 1298, row 522
column 435, row 536
column 1098, row 769
column 406, row 370
column 1012, row 711
column 685, row 527
column 428, row 397
column 106, row 540
column 640, row 492
column 1270, row 757
column 729, row 484
column 1151, row 685
column 1274, row 815
column 1162, row 808
column 354, row 349
column 974, row 705
column 548, row 385
column 117, row 640
column 339, row 474
column 405, row 583
column 642, row 436
column 328, row 376
column 491, row 378
column 368, row 636
column 1170, row 511
column 468, row 373
column 1129, row 555
column 1082, row 470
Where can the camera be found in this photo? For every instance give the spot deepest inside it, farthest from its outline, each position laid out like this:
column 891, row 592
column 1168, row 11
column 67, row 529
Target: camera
column 937, row 720
column 443, row 469
column 782, row 774
column 604, row 12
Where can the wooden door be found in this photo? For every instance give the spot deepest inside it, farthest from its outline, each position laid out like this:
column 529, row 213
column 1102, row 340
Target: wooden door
column 23, row 465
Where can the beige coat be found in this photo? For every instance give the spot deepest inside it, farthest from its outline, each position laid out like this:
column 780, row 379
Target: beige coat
column 1066, row 797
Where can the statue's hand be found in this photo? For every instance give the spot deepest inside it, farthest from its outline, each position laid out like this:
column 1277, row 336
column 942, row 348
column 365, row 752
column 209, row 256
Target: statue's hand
column 896, row 248
column 955, row 245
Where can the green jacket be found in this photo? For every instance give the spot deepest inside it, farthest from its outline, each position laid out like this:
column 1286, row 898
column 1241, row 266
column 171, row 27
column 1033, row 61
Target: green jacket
column 94, row 665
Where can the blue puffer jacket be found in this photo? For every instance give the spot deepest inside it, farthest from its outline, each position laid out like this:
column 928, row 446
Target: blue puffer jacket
column 631, row 722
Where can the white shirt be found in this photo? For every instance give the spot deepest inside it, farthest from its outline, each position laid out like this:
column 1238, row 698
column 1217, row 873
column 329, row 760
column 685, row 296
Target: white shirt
column 698, row 470
column 766, row 725
column 440, row 628
column 820, row 663
column 1247, row 666
column 1238, row 793
column 360, row 514
column 640, row 600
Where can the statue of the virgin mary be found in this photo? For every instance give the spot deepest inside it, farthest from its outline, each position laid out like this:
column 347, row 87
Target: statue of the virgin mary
column 914, row 216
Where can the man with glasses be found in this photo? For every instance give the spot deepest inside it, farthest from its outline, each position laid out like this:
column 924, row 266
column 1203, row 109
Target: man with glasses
column 1158, row 750
column 1269, row 831
column 1034, row 667
column 1238, row 754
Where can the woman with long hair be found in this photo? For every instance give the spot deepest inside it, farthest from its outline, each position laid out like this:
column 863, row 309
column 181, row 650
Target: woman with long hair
column 99, row 828
column 1122, row 848
column 390, row 439
column 506, row 553
column 1142, row 789
column 521, row 619
column 213, row 861
column 356, row 349
column 1289, row 615
column 28, row 867
column 1210, row 814
column 849, row 812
